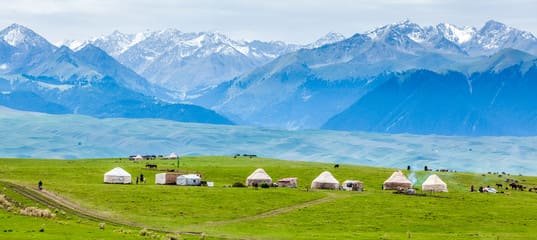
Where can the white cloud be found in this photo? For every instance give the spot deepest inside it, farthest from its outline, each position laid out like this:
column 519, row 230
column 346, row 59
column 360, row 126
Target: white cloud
column 295, row 21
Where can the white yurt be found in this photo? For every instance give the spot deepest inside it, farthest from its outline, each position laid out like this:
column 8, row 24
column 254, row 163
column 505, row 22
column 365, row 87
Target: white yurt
column 172, row 156
column 188, row 180
column 138, row 157
column 117, row 175
column 258, row 177
column 166, row 178
column 434, row 184
column 325, row 181
column 397, row 181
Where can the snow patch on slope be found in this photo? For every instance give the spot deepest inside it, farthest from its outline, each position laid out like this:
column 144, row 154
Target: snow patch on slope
column 458, row 35
column 59, row 87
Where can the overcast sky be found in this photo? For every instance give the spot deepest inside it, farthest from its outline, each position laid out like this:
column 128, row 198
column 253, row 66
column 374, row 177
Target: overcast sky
column 299, row 21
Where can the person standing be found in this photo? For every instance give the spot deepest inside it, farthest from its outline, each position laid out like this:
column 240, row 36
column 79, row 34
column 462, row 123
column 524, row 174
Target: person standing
column 40, row 185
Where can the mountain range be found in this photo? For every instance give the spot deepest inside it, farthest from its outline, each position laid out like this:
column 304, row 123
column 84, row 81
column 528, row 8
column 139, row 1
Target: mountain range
column 306, row 88
column 37, row 76
column 398, row 78
column 189, row 63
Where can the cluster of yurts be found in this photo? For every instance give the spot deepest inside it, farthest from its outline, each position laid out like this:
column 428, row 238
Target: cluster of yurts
column 120, row 176
column 397, row 181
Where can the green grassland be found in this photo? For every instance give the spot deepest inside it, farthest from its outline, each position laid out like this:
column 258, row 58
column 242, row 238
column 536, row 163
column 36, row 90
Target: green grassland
column 222, row 212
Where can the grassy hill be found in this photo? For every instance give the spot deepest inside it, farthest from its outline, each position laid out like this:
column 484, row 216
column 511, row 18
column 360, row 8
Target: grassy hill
column 223, row 212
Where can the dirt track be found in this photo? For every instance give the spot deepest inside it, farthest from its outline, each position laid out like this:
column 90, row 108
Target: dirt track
column 330, row 197
column 52, row 200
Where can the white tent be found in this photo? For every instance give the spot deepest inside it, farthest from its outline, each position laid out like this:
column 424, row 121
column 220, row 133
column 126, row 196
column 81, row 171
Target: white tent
column 138, row 157
column 117, row 175
column 258, row 177
column 166, row 178
column 352, row 185
column 397, row 181
column 434, row 184
column 325, row 181
column 172, row 156
column 188, row 180
column 291, row 182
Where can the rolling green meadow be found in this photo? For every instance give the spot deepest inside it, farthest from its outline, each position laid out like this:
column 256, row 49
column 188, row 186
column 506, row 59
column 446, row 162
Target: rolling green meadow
column 149, row 211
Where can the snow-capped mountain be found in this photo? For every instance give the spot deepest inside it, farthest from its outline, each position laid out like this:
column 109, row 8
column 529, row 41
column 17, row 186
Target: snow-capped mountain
column 329, row 38
column 20, row 46
column 114, row 44
column 491, row 38
column 21, row 37
column 410, row 38
column 40, row 77
column 494, row 36
column 192, row 62
column 458, row 35
column 303, row 89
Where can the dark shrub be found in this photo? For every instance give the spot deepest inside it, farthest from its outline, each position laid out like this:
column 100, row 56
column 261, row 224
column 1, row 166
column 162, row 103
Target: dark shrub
column 238, row 184
column 265, row 185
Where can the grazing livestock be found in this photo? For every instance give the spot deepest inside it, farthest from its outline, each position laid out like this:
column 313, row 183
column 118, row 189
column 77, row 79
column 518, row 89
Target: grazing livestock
column 499, row 185
column 336, row 166
column 516, row 186
column 151, row 166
